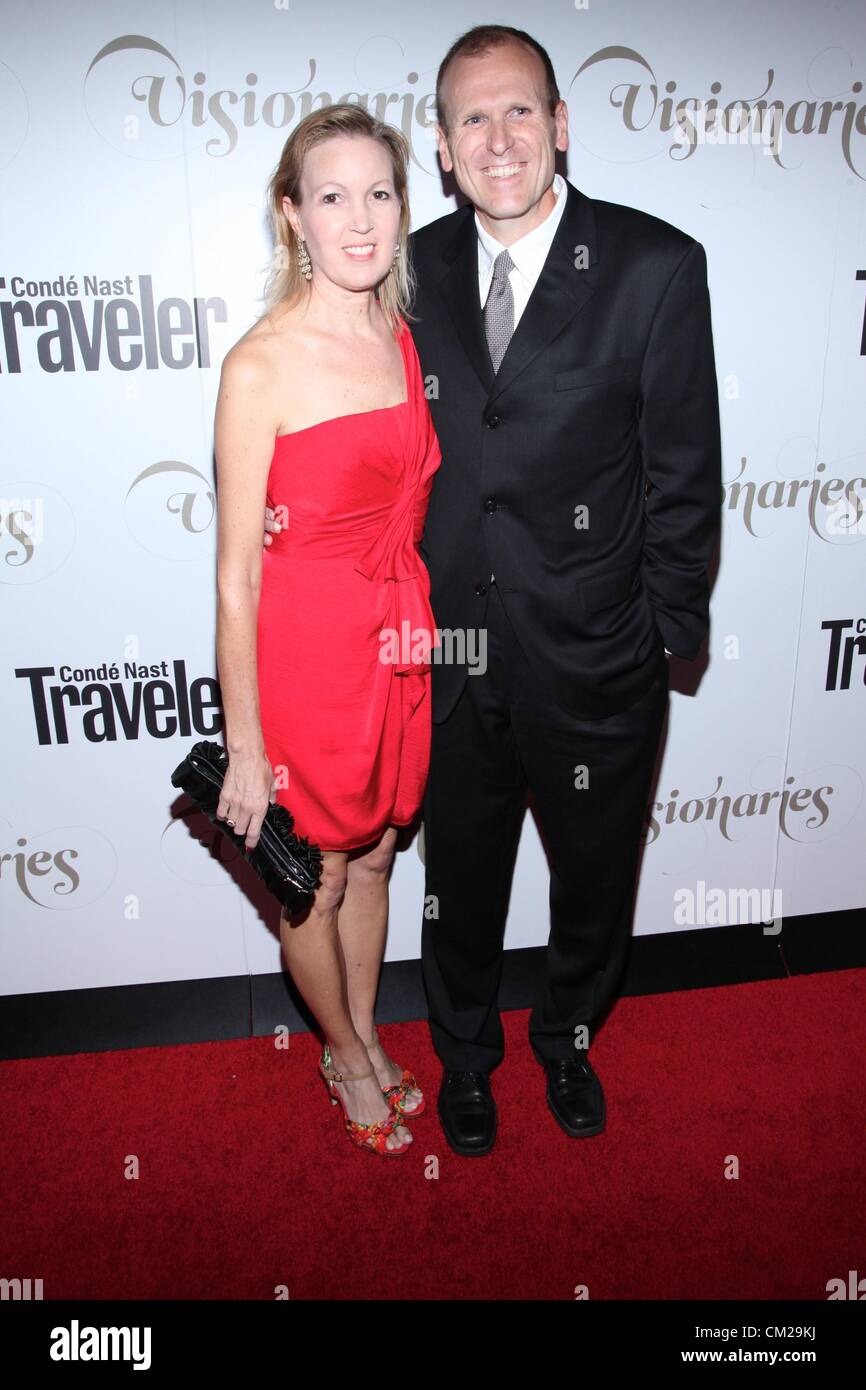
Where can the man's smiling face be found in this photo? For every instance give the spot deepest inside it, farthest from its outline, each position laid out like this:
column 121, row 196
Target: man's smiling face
column 502, row 140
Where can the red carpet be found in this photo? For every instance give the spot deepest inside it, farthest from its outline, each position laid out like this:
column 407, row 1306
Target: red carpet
column 248, row 1181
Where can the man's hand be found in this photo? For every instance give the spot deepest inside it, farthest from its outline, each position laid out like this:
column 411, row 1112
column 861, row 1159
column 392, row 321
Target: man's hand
column 271, row 525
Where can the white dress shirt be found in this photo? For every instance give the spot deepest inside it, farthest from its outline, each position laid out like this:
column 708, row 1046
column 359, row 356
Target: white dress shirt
column 528, row 253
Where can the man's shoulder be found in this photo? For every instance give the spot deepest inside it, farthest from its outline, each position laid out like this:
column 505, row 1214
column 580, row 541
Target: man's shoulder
column 642, row 231
column 430, row 239
column 629, row 227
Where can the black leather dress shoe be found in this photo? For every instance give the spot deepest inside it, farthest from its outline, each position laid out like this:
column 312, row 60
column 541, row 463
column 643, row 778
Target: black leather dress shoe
column 468, row 1112
column 575, row 1096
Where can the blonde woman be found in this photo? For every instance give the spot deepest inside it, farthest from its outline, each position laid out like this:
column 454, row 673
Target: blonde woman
column 321, row 415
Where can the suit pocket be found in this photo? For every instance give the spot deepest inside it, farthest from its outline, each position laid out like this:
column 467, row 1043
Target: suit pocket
column 604, row 590
column 594, row 376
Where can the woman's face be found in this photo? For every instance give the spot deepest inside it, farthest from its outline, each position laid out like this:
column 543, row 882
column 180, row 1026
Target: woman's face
column 349, row 214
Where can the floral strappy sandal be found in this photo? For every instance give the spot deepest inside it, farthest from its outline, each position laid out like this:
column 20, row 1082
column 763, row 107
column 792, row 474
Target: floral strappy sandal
column 373, row 1137
column 397, row 1095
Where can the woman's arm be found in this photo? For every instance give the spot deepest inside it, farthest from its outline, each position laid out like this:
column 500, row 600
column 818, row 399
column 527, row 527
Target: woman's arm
column 244, row 430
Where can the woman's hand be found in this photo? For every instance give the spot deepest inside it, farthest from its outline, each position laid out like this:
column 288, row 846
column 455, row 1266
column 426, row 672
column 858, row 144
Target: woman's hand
column 248, row 787
column 272, row 526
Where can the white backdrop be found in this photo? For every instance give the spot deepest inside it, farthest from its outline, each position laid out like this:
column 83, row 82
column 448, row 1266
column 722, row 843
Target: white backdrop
column 136, row 141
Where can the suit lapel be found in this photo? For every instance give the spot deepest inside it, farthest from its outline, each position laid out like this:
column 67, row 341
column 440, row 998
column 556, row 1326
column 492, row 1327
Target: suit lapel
column 459, row 289
column 559, row 293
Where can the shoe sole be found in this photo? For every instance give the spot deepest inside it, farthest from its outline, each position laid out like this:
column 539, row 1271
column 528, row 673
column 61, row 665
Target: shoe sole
column 585, row 1132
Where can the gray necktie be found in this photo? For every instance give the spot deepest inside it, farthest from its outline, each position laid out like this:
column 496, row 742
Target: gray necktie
column 499, row 310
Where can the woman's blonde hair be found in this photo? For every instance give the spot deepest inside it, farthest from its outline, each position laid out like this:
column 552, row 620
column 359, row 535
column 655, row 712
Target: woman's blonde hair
column 285, row 283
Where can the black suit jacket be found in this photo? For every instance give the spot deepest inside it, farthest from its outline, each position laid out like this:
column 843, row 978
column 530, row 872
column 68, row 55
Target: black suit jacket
column 587, row 472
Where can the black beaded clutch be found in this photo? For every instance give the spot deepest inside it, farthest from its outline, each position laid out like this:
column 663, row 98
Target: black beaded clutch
column 286, row 863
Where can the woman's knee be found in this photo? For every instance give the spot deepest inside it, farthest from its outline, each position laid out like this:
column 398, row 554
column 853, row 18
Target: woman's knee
column 332, row 882
column 378, row 860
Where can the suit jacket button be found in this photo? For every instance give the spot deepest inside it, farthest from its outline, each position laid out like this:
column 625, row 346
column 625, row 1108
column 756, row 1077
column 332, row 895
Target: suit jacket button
column 490, row 505
column 481, row 589
column 492, row 421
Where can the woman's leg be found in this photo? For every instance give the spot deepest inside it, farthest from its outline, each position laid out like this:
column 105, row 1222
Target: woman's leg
column 362, row 924
column 315, row 959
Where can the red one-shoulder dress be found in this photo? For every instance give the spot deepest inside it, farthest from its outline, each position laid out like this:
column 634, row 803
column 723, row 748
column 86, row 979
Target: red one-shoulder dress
column 345, row 629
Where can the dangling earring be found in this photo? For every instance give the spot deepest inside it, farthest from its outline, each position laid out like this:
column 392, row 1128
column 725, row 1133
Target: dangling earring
column 304, row 264
column 396, row 256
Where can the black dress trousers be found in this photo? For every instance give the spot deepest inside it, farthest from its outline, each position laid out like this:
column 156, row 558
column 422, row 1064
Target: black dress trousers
column 590, row 781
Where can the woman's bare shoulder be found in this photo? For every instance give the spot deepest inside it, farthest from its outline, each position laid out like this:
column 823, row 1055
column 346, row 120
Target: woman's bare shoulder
column 263, row 355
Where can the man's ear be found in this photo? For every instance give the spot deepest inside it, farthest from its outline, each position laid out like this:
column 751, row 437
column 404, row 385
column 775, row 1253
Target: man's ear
column 561, row 120
column 442, row 144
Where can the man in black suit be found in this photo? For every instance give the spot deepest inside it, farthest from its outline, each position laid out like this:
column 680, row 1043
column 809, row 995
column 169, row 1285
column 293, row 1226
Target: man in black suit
column 573, row 517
